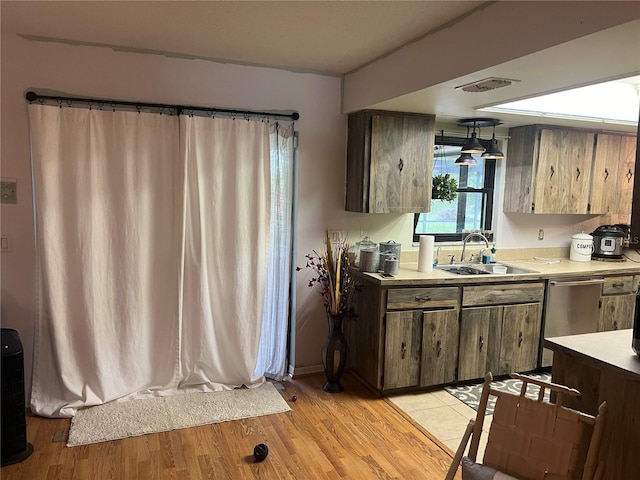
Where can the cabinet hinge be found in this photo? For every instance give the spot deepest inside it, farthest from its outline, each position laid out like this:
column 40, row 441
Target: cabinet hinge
column 599, row 303
column 588, row 207
column 533, row 207
column 382, row 382
column 455, row 372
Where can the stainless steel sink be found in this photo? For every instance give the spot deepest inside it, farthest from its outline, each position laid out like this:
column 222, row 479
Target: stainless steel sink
column 482, row 269
column 462, row 270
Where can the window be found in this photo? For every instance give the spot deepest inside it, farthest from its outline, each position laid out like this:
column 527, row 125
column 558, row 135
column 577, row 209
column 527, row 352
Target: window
column 473, row 206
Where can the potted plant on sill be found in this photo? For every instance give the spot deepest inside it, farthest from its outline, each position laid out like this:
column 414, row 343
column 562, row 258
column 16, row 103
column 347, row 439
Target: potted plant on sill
column 444, row 187
column 336, row 285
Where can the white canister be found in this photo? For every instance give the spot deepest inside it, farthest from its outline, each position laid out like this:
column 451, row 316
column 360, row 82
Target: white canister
column 581, row 247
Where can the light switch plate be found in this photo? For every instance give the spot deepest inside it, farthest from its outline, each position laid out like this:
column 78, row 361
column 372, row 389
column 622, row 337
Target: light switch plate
column 8, row 191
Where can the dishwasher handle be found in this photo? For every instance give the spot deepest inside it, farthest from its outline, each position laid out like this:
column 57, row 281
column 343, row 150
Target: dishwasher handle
column 576, row 283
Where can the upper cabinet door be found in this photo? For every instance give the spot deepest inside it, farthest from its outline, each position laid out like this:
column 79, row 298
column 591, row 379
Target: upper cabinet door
column 389, row 162
column 613, row 174
column 564, row 171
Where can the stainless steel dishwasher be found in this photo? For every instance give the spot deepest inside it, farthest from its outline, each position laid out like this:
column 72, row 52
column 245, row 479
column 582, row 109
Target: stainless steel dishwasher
column 571, row 307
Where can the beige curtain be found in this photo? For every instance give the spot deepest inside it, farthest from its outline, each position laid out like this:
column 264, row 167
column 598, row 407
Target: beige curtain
column 225, row 249
column 151, row 254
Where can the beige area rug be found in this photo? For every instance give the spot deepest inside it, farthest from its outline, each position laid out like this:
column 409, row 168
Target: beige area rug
column 116, row 420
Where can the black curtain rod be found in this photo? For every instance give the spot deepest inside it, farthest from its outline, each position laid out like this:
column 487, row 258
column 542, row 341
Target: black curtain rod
column 32, row 96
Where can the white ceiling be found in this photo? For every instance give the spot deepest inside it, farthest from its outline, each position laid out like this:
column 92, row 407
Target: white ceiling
column 327, row 37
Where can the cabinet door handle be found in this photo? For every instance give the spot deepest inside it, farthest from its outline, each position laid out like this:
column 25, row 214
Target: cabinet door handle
column 404, row 350
column 553, row 170
column 606, row 174
column 422, row 299
column 400, row 165
column 629, row 176
column 519, row 339
column 578, row 173
column 480, row 342
column 438, row 348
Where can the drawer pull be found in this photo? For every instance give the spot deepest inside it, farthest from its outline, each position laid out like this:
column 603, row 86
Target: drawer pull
column 481, row 342
column 404, row 350
column 422, row 299
column 438, row 348
column 617, row 285
column 519, row 339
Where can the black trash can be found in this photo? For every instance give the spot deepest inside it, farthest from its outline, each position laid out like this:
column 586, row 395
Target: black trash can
column 15, row 447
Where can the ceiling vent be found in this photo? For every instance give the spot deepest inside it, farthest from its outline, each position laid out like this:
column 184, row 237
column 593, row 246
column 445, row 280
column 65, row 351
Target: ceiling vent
column 487, row 84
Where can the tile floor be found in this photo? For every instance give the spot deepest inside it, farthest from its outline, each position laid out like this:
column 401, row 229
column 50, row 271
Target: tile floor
column 442, row 415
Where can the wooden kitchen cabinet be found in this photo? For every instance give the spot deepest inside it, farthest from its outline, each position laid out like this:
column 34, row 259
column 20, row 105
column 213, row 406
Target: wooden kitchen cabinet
column 421, row 348
column 421, row 337
column 548, row 170
column 389, row 162
column 617, row 303
column 569, row 171
column 499, row 329
column 405, row 337
column 613, row 174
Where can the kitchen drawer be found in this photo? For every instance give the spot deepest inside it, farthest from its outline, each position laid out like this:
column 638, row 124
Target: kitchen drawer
column 417, row 298
column 502, row 294
column 617, row 285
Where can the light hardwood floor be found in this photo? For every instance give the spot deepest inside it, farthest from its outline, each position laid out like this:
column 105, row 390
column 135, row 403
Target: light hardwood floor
column 354, row 435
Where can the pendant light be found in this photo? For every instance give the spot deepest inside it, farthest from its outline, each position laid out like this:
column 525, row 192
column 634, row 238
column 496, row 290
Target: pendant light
column 466, row 159
column 472, row 145
column 493, row 151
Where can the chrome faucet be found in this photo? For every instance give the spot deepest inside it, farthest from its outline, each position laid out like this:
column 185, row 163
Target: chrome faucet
column 464, row 242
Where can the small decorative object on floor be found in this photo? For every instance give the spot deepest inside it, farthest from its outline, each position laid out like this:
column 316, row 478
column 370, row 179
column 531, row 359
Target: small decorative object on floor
column 336, row 285
column 294, row 398
column 260, row 452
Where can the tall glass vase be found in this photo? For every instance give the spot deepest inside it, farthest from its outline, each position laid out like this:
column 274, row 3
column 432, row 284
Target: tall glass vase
column 334, row 355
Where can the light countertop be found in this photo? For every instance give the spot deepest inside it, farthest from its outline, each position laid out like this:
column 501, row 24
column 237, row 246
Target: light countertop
column 612, row 348
column 408, row 273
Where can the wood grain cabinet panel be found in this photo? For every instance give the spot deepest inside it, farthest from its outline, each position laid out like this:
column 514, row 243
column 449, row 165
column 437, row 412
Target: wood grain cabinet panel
column 402, row 298
column 389, row 162
column 618, row 285
column 402, row 349
column 502, row 294
column 480, row 331
column 439, row 353
column 613, row 174
column 520, row 337
column 548, row 170
column 616, row 312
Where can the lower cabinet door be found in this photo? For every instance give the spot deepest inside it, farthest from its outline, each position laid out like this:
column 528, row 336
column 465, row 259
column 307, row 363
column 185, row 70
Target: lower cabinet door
column 616, row 312
column 402, row 349
column 480, row 329
column 440, row 331
column 520, row 338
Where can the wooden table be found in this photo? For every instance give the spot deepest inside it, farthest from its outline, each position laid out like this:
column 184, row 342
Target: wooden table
column 602, row 366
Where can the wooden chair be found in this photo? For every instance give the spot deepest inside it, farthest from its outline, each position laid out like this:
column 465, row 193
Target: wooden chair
column 533, row 439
